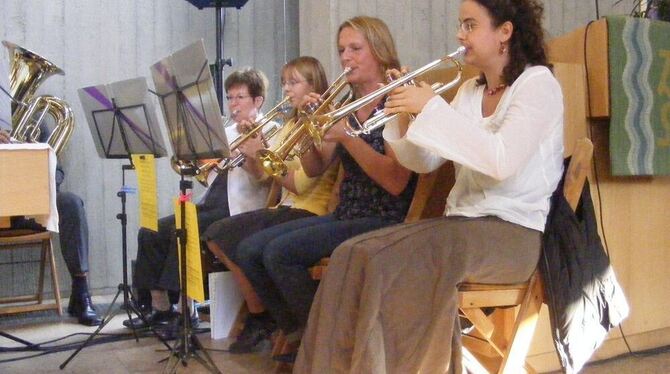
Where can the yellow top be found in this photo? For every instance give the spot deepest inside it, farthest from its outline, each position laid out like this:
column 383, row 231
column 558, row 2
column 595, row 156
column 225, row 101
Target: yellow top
column 313, row 193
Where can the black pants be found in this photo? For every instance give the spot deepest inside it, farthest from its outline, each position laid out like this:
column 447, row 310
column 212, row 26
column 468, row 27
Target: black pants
column 73, row 231
column 157, row 262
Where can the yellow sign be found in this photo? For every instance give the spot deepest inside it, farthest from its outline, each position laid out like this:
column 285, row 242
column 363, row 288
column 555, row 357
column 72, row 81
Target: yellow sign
column 194, row 280
column 146, row 183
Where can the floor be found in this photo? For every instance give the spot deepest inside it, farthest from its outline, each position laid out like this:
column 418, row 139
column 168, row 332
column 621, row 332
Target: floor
column 130, row 357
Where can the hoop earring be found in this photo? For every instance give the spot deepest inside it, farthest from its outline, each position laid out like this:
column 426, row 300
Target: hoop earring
column 503, row 49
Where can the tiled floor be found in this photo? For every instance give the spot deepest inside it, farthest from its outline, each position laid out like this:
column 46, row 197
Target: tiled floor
column 131, row 357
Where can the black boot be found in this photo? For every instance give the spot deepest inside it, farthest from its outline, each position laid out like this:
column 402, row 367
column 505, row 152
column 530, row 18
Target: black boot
column 82, row 307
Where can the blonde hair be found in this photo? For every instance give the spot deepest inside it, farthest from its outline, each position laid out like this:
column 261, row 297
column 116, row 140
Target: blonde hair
column 311, row 69
column 378, row 35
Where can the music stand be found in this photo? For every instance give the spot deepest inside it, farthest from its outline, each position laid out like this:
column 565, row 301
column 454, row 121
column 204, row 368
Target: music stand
column 189, row 105
column 220, row 25
column 122, row 122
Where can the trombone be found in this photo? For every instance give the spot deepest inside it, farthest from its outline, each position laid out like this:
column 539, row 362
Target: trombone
column 300, row 138
column 326, row 121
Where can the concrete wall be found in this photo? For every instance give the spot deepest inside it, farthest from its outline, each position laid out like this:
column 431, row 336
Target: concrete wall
column 423, row 29
column 103, row 41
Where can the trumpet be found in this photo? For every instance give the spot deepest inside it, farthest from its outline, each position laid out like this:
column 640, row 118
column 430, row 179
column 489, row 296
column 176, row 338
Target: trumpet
column 239, row 159
column 201, row 168
column 326, row 121
column 300, row 138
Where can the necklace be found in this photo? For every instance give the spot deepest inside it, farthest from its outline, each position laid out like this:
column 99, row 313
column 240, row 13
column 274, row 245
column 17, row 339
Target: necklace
column 494, row 90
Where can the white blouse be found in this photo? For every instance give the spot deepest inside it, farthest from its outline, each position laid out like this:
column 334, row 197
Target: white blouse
column 507, row 164
column 245, row 192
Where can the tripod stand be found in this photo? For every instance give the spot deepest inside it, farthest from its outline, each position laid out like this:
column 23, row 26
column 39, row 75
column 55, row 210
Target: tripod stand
column 138, row 138
column 122, row 287
column 187, row 344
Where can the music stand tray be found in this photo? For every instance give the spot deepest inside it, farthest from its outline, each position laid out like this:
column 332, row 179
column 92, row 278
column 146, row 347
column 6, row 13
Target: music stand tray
column 122, row 119
column 218, row 3
column 191, row 111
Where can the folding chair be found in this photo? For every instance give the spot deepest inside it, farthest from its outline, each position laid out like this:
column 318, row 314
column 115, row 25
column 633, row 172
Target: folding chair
column 18, row 239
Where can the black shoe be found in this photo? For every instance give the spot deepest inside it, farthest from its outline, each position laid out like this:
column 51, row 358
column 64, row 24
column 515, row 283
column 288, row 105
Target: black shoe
column 81, row 306
column 164, row 317
column 256, row 330
column 287, row 358
column 138, row 323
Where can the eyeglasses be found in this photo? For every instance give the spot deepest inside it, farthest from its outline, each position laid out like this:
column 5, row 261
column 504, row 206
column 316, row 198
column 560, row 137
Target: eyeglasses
column 467, row 26
column 238, row 97
column 291, row 82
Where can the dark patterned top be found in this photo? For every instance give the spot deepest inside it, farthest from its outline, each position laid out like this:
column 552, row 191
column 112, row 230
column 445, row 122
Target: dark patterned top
column 360, row 196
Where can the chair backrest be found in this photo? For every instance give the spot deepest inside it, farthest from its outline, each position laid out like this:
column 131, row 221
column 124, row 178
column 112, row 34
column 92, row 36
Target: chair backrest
column 431, row 193
column 578, row 170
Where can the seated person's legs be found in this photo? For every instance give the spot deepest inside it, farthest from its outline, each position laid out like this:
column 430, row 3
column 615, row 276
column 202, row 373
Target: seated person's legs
column 155, row 269
column 223, row 238
column 73, row 235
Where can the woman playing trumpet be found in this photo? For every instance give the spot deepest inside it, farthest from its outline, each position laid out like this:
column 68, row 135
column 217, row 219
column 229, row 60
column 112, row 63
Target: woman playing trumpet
column 393, row 293
column 302, row 197
column 375, row 191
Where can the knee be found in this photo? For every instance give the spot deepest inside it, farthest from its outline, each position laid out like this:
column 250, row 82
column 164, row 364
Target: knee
column 68, row 202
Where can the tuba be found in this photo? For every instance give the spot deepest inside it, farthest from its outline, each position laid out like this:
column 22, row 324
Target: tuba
column 27, row 72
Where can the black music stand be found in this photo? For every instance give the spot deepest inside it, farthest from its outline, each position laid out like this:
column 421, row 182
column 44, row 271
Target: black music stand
column 190, row 108
column 220, row 25
column 118, row 132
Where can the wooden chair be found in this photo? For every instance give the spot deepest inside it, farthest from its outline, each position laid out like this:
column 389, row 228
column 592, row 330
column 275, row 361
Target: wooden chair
column 500, row 341
column 14, row 240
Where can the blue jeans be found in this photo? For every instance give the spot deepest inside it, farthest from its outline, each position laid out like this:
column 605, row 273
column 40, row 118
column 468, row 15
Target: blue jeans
column 276, row 261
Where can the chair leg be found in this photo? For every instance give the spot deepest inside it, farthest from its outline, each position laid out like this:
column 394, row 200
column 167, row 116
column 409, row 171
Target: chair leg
column 40, row 280
column 529, row 313
column 54, row 277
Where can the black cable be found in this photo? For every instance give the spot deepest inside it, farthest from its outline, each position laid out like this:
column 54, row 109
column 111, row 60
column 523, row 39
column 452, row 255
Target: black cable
column 595, row 166
column 597, row 10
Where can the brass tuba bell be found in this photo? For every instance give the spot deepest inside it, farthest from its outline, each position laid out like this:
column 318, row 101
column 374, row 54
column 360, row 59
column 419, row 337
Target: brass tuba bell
column 27, row 72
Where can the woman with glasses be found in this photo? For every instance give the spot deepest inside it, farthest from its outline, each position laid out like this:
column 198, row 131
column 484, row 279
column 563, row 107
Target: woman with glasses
column 375, row 191
column 391, row 305
column 302, row 197
column 235, row 192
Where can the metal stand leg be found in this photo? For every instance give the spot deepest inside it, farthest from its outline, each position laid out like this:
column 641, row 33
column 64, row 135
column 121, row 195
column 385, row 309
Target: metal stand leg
column 123, row 287
column 187, row 345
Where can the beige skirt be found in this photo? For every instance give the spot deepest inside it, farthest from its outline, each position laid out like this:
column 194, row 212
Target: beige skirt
column 388, row 303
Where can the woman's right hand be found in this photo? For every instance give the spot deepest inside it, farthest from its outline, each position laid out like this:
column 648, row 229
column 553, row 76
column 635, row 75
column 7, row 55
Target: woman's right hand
column 312, row 99
column 4, row 137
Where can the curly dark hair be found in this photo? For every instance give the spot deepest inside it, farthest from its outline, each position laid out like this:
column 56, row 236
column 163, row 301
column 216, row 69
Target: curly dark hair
column 526, row 46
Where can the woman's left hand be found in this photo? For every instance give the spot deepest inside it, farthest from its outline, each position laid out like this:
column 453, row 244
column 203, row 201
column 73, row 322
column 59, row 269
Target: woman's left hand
column 409, row 99
column 337, row 133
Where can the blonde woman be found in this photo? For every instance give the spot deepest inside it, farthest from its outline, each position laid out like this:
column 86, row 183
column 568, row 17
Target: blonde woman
column 302, row 197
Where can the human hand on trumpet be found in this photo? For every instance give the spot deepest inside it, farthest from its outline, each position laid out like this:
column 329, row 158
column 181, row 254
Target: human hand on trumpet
column 4, row 137
column 410, row 98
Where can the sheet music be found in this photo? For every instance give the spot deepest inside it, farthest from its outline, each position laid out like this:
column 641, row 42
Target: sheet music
column 188, row 101
column 134, row 131
column 5, row 101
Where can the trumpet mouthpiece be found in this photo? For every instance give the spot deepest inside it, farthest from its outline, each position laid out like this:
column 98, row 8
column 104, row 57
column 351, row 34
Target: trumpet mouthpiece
column 458, row 53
